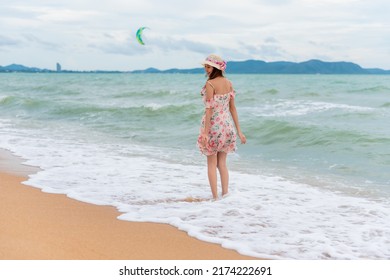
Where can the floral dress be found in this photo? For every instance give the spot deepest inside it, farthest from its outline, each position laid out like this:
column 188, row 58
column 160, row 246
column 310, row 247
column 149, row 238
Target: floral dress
column 222, row 135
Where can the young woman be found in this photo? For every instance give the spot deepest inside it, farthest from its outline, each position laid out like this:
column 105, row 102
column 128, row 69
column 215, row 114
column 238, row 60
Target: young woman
column 217, row 135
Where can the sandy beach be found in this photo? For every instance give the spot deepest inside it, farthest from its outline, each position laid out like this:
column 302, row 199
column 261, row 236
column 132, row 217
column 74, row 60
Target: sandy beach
column 42, row 226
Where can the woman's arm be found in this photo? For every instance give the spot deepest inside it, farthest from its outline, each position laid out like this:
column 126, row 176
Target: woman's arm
column 233, row 112
column 209, row 112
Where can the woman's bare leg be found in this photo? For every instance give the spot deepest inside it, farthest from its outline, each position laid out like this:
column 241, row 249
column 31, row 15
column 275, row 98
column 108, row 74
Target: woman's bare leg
column 223, row 172
column 212, row 173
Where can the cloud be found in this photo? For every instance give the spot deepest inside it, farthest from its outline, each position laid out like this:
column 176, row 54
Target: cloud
column 32, row 39
column 9, row 42
column 128, row 45
column 182, row 31
column 49, row 15
column 169, row 44
column 269, row 50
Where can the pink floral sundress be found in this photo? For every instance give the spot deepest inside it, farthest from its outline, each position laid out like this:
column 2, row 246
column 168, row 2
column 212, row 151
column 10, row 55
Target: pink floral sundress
column 222, row 135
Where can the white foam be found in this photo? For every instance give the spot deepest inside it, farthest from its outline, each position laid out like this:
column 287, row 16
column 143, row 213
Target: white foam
column 264, row 216
column 283, row 108
column 154, row 106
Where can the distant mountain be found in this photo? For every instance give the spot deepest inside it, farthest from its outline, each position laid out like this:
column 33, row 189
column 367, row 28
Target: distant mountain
column 307, row 67
column 170, row 71
column 281, row 67
column 24, row 69
column 242, row 67
column 21, row 68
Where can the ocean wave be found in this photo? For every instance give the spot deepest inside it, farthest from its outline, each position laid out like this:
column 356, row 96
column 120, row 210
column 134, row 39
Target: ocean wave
column 284, row 108
column 23, row 104
column 271, row 91
column 272, row 132
column 5, row 100
column 72, row 109
column 373, row 89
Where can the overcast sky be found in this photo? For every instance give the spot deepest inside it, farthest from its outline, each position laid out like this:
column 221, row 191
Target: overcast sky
column 100, row 34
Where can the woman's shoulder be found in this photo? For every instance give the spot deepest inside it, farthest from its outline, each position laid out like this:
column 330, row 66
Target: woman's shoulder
column 220, row 81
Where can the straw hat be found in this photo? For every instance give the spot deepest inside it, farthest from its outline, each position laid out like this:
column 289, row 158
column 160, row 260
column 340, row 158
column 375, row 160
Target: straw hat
column 215, row 61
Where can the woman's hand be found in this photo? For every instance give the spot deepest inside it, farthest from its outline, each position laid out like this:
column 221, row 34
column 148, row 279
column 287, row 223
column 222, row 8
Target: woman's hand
column 204, row 139
column 242, row 137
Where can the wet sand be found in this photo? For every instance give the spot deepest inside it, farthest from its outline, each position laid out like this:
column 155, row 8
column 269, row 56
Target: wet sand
column 42, row 226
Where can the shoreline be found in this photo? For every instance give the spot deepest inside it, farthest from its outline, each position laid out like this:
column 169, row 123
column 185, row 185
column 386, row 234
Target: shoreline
column 43, row 226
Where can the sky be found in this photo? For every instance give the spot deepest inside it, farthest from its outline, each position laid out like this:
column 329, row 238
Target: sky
column 100, row 35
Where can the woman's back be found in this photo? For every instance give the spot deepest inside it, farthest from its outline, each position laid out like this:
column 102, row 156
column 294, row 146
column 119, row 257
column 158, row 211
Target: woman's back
column 221, row 85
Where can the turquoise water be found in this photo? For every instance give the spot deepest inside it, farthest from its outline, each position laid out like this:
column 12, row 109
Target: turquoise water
column 128, row 140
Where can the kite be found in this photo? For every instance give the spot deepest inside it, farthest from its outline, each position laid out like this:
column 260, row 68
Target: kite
column 139, row 35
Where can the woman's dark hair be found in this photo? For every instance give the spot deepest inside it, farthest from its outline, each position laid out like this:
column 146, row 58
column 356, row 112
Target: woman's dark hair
column 215, row 73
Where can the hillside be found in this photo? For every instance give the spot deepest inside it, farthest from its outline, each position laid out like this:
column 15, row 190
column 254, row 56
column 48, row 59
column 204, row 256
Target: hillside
column 239, row 67
column 281, row 67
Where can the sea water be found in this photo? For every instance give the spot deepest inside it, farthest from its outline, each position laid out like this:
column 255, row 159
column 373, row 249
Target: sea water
column 312, row 182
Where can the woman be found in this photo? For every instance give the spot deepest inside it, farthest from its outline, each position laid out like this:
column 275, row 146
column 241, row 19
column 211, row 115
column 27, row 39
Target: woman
column 217, row 135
